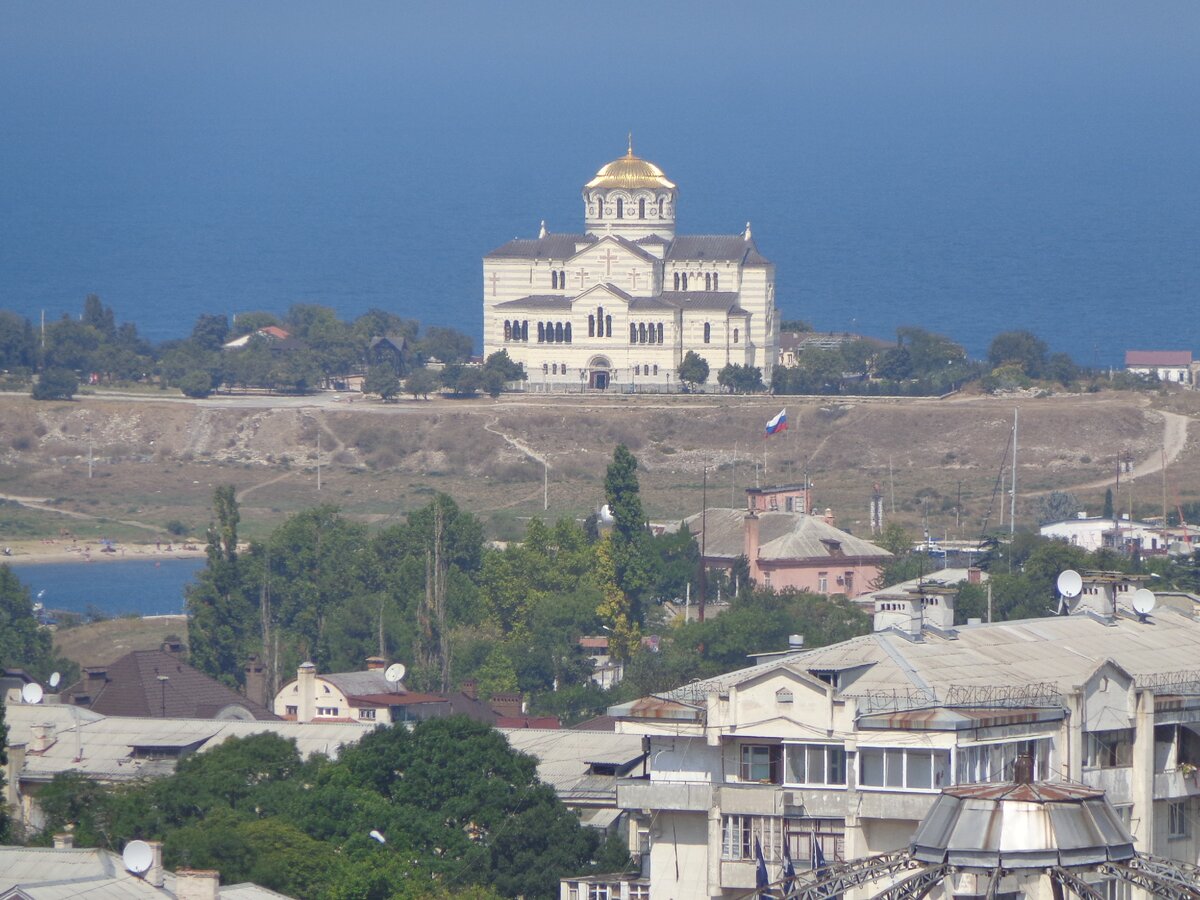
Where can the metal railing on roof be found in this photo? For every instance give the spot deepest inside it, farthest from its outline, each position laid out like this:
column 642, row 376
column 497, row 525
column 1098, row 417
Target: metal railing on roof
column 1185, row 682
column 1038, row 695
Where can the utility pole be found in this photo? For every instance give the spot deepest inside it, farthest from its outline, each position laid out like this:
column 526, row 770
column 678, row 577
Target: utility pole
column 703, row 542
column 545, row 485
column 1012, row 509
column 318, row 456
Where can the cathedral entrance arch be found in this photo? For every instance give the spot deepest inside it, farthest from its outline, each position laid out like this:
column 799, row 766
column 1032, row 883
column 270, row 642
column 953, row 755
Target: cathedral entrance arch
column 599, row 373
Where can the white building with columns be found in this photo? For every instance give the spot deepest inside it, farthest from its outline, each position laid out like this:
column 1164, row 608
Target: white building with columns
column 618, row 306
column 846, row 747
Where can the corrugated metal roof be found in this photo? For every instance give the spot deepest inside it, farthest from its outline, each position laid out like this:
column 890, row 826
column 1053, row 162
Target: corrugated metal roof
column 781, row 536
column 547, row 302
column 552, row 246
column 723, row 247
column 1158, row 357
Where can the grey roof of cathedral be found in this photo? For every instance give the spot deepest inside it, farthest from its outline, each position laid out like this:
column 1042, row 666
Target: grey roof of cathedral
column 720, row 300
column 644, row 303
column 552, row 246
column 538, row 301
column 652, row 239
column 730, row 247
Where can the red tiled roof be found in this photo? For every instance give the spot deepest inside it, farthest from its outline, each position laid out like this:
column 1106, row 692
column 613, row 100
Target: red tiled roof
column 1158, row 357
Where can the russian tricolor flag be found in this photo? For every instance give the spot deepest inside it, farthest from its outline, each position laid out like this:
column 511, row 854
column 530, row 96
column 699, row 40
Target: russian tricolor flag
column 777, row 424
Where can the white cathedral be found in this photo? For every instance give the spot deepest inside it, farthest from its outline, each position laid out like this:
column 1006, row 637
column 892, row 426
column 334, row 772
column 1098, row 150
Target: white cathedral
column 619, row 306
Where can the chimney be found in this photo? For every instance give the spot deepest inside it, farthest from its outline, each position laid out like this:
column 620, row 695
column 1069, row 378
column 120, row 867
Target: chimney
column 974, row 575
column 64, row 841
column 154, row 875
column 256, row 681
column 43, row 737
column 470, row 688
column 12, row 783
column 197, row 884
column 173, row 646
column 376, row 663
column 829, row 517
column 938, row 610
column 306, row 686
column 750, row 544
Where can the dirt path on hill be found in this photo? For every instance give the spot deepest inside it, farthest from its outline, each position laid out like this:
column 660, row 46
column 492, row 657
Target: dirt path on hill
column 516, row 443
column 241, row 495
column 44, row 504
column 1175, row 434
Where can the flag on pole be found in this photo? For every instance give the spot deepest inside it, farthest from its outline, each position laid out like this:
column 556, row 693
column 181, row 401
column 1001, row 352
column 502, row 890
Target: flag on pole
column 761, row 879
column 789, row 870
column 819, row 864
column 777, row 424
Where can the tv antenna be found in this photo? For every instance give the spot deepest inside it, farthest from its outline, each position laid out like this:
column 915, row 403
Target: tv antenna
column 138, row 857
column 394, row 674
column 1144, row 602
column 32, row 693
column 55, row 678
column 605, row 515
column 375, row 833
column 1070, row 583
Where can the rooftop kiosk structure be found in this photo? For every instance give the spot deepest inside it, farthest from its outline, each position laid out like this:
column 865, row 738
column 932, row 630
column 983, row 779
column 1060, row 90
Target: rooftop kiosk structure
column 838, row 753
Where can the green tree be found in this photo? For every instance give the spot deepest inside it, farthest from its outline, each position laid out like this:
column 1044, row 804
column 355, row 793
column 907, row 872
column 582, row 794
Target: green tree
column 446, row 344
column 1107, row 513
column 1020, row 348
column 382, row 380
column 463, row 381
column 222, row 617
column 250, row 322
column 18, row 348
column 210, row 332
column 421, row 382
column 98, row 316
column 693, row 370
column 197, row 384
column 71, row 344
column 740, row 379
column 55, row 384
column 1056, row 507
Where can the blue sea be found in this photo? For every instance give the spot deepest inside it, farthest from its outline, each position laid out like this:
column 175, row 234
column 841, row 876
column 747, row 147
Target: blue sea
column 967, row 167
column 111, row 587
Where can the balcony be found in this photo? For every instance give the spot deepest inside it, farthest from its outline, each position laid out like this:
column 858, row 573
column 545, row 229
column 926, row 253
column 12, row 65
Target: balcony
column 677, row 796
column 1176, row 784
column 1117, row 782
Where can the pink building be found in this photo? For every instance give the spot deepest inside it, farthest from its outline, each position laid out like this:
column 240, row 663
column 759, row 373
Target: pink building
column 787, row 548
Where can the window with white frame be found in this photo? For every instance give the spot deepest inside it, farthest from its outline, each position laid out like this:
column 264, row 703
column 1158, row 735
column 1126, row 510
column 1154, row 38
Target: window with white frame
column 738, row 834
column 327, row 710
column 994, row 762
column 1177, row 819
column 903, row 768
column 1108, row 749
column 366, row 714
column 815, row 764
column 762, row 763
column 601, row 891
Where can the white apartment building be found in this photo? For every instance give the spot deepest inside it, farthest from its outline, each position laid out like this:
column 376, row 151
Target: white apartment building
column 618, row 306
column 847, row 746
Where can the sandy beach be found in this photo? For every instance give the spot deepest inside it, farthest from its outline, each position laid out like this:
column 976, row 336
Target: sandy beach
column 66, row 551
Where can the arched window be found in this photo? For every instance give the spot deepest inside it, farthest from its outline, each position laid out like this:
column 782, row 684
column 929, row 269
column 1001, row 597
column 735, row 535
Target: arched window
column 507, row 330
column 554, row 369
column 591, row 326
column 554, row 280
column 661, row 200
column 545, row 367
column 656, row 368
column 599, row 207
column 642, row 333
column 541, row 333
column 600, row 321
column 641, row 207
column 620, row 208
column 660, row 332
column 707, row 332
column 608, row 326
column 549, row 332
column 716, row 275
column 524, row 329
column 708, row 281
column 632, row 333
column 676, row 281
column 735, row 335
column 562, row 278
column 637, row 370
column 567, row 333
column 558, row 333
column 685, row 281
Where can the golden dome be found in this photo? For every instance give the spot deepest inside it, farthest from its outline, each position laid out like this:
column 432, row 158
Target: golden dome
column 630, row 172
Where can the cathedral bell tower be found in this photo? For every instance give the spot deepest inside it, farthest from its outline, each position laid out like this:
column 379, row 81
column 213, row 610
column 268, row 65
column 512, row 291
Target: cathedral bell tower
column 632, row 198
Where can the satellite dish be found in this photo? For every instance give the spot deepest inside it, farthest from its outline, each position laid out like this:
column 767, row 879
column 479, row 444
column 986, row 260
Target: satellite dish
column 1144, row 601
column 32, row 693
column 138, row 857
column 1070, row 583
column 606, row 516
column 55, row 679
column 379, row 837
column 395, row 673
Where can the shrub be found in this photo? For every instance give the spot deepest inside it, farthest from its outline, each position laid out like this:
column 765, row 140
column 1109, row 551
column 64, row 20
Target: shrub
column 55, row 384
column 197, row 384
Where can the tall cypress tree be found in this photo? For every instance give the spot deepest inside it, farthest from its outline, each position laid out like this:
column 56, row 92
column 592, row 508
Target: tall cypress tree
column 632, row 554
